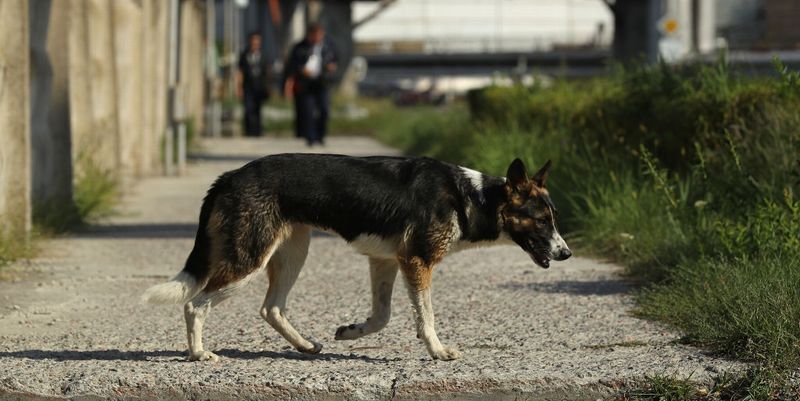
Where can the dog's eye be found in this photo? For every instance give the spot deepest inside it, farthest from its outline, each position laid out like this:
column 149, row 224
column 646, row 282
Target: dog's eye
column 541, row 222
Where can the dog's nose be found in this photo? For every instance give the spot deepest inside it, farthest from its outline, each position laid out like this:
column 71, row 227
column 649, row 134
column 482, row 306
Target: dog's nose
column 565, row 254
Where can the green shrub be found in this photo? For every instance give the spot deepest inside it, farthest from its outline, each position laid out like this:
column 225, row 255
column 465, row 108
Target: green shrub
column 96, row 190
column 744, row 307
column 13, row 247
column 688, row 175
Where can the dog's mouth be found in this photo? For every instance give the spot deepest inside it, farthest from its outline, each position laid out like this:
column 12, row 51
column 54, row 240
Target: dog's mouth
column 539, row 256
column 540, row 259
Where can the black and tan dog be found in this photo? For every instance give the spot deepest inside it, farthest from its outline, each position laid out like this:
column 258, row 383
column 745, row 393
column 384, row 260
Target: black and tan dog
column 403, row 213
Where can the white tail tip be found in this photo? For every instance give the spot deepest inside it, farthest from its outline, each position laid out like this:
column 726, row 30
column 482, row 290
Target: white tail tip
column 178, row 290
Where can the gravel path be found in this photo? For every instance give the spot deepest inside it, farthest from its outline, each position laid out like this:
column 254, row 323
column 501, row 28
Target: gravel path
column 72, row 326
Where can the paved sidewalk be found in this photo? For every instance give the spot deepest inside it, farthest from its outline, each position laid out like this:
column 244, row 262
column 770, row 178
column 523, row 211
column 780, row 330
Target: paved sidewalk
column 75, row 328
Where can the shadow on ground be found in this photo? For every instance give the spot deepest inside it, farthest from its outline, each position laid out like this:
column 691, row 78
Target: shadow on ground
column 140, row 231
column 210, row 157
column 597, row 287
column 120, row 355
column 152, row 231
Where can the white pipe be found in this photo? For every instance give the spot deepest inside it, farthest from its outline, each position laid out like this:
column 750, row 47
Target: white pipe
column 168, row 151
column 181, row 148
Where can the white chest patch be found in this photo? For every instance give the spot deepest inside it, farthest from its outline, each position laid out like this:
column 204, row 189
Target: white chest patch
column 377, row 246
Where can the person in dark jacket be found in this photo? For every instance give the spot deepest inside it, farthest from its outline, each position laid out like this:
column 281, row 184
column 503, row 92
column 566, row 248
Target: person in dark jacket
column 253, row 83
column 309, row 70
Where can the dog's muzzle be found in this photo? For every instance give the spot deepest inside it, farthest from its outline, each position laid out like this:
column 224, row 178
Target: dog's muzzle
column 543, row 259
column 563, row 254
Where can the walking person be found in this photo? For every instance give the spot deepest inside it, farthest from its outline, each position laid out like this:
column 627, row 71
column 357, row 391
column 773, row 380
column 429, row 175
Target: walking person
column 252, row 83
column 309, row 70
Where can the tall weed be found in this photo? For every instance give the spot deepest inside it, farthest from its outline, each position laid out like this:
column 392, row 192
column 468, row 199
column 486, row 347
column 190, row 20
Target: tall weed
column 688, row 175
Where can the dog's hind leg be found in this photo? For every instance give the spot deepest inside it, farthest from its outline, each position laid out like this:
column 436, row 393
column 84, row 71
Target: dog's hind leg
column 283, row 269
column 195, row 313
column 382, row 274
column 229, row 272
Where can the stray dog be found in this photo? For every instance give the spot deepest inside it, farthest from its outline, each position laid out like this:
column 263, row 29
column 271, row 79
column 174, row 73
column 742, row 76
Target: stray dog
column 403, row 213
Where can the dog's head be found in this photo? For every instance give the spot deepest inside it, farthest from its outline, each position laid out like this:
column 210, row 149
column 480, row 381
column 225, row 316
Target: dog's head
column 529, row 217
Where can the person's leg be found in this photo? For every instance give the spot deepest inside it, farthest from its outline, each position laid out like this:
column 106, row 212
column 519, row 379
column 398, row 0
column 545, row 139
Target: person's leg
column 322, row 103
column 307, row 116
column 299, row 123
column 246, row 104
column 249, row 104
column 259, row 102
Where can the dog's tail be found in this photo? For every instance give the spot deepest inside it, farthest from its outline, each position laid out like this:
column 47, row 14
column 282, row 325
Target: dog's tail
column 192, row 279
column 180, row 289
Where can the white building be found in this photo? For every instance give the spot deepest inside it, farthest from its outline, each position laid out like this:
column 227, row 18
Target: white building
column 445, row 26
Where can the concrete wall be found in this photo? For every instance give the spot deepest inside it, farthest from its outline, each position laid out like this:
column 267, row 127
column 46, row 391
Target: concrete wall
column 127, row 19
column 154, row 57
column 118, row 69
column 86, row 81
column 192, row 70
column 15, row 179
column 93, row 94
column 58, row 188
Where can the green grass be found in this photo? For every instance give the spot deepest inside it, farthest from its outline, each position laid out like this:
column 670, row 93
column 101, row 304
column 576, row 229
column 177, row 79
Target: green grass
column 12, row 248
column 662, row 387
column 755, row 384
column 380, row 113
column 687, row 175
column 96, row 190
column 95, row 193
column 745, row 308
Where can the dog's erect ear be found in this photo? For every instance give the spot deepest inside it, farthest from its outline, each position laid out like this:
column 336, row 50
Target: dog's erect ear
column 516, row 175
column 541, row 176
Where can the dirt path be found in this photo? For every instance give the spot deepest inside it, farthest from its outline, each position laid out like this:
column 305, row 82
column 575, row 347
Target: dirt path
column 75, row 326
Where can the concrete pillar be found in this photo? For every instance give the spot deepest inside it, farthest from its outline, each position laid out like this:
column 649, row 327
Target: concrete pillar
column 60, row 191
column 79, row 75
column 93, row 86
column 51, row 157
column 41, row 78
column 635, row 34
column 127, row 17
column 192, row 55
column 15, row 174
column 336, row 18
column 154, row 92
column 103, row 86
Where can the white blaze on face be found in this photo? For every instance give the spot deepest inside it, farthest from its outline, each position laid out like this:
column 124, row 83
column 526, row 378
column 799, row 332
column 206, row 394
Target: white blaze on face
column 557, row 244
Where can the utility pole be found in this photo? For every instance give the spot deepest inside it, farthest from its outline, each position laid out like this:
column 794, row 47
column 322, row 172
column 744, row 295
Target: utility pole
column 176, row 127
column 214, row 108
column 635, row 29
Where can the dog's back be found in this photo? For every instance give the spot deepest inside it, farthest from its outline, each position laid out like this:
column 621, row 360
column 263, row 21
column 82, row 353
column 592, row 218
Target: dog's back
column 248, row 209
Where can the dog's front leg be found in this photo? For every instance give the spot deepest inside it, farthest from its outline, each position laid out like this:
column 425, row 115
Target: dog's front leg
column 382, row 274
column 418, row 279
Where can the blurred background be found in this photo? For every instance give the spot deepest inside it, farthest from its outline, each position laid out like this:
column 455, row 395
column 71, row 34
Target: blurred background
column 97, row 93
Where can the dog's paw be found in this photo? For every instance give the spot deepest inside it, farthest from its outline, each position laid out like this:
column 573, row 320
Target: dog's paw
column 315, row 348
column 446, row 354
column 203, row 356
column 350, row 332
